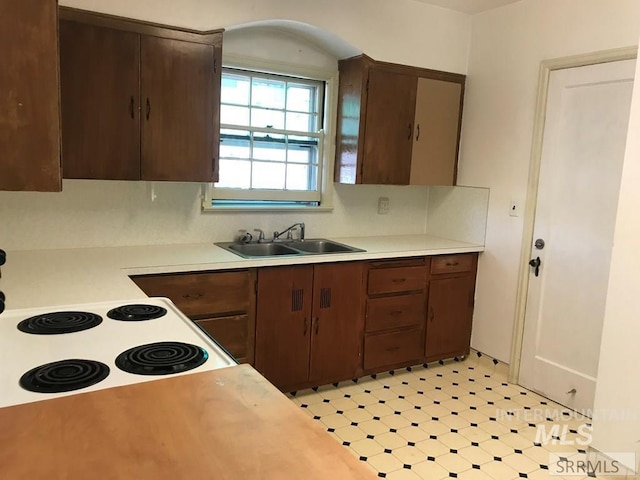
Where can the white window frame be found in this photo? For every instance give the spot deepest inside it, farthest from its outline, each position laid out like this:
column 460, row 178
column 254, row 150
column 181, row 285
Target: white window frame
column 326, row 149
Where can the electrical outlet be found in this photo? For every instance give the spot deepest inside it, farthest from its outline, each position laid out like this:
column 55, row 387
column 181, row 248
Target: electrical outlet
column 514, row 208
column 383, row 205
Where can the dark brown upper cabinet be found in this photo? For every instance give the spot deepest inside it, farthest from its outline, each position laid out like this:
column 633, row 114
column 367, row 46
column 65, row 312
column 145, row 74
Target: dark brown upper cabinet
column 397, row 125
column 139, row 101
column 29, row 98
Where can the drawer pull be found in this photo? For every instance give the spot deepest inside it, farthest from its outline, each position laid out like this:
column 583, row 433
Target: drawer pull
column 395, row 313
column 192, row 296
column 306, row 326
column 452, row 264
column 399, row 280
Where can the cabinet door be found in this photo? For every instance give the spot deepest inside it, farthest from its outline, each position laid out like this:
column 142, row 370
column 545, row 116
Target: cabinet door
column 29, row 96
column 283, row 324
column 388, row 140
column 449, row 317
column 180, row 93
column 100, row 71
column 337, row 322
column 437, row 130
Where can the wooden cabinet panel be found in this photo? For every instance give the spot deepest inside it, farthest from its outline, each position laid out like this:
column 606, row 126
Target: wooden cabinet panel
column 393, row 349
column 453, row 263
column 283, row 324
column 230, row 332
column 221, row 303
column 99, row 70
column 437, row 132
column 386, row 313
column 336, row 334
column 389, row 128
column 449, row 317
column 140, row 101
column 178, row 95
column 397, row 124
column 401, row 279
column 202, row 294
column 29, row 98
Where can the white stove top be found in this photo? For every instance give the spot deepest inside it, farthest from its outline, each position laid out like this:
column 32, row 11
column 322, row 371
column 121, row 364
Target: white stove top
column 20, row 352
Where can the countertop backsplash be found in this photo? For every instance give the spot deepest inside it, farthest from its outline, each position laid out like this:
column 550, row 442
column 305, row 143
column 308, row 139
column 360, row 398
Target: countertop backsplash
column 93, row 213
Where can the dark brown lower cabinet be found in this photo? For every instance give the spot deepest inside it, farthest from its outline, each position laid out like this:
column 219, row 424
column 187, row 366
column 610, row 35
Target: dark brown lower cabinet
column 221, row 303
column 309, row 324
column 450, row 311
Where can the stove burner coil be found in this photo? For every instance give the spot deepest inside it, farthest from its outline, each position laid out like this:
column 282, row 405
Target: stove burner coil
column 162, row 358
column 56, row 323
column 64, row 376
column 136, row 312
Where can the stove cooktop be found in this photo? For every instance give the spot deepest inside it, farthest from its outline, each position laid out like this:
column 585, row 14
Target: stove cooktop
column 81, row 348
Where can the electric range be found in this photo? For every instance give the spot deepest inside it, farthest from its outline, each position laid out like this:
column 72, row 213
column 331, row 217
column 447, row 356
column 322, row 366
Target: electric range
column 71, row 349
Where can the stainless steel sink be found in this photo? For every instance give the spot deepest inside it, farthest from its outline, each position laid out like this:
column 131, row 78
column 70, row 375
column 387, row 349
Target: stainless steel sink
column 313, row 246
column 250, row 250
column 321, row 245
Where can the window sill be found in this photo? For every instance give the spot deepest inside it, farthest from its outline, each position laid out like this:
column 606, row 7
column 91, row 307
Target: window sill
column 270, row 208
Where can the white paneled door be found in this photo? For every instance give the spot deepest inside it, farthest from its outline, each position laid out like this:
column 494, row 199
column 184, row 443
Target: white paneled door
column 581, row 166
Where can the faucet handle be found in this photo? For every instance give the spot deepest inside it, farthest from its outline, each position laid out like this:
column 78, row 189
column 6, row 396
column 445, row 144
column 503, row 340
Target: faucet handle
column 290, row 233
column 261, row 236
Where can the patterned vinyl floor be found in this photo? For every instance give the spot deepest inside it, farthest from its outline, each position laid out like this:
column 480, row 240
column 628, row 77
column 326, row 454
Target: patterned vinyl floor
column 457, row 419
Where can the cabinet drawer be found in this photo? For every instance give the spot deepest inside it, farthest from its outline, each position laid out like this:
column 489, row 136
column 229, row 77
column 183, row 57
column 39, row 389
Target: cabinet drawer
column 392, row 280
column 392, row 312
column 199, row 294
column 390, row 349
column 451, row 264
column 230, row 332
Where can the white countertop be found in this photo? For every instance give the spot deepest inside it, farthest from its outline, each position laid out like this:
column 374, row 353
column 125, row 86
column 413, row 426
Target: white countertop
column 38, row 278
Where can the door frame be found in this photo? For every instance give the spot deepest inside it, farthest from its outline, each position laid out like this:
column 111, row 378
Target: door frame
column 546, row 67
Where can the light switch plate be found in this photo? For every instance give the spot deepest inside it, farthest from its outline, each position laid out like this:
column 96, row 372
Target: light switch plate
column 514, row 208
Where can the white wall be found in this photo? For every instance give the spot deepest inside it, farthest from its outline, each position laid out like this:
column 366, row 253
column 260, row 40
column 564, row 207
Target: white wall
column 507, row 46
column 618, row 387
column 402, row 31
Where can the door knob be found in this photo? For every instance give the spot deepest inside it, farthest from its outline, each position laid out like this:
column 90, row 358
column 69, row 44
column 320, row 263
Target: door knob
column 535, row 263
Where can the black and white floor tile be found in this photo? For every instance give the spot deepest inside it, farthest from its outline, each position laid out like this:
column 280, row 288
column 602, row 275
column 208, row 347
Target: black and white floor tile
column 456, row 419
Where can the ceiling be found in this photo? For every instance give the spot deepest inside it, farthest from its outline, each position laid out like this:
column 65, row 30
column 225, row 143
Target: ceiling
column 469, row 6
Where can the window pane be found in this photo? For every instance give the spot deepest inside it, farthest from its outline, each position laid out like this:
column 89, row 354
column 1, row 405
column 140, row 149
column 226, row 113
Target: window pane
column 302, row 155
column 300, row 98
column 301, row 122
column 298, row 177
column 268, row 175
column 234, row 115
column 269, row 147
column 235, row 89
column 234, row 144
column 267, row 118
column 267, row 93
column 234, row 173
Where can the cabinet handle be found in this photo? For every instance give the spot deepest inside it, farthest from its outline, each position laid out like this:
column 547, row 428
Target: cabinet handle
column 452, row 264
column 148, row 108
column 306, row 327
column 432, row 315
column 131, row 107
column 398, row 280
column 409, row 137
column 317, row 320
column 215, row 65
column 395, row 313
column 417, row 132
column 192, row 296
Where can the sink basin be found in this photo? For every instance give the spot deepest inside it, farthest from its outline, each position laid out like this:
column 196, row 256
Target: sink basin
column 314, row 246
column 250, row 250
column 321, row 245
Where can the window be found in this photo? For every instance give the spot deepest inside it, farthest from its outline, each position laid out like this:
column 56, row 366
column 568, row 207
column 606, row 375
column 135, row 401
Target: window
column 271, row 138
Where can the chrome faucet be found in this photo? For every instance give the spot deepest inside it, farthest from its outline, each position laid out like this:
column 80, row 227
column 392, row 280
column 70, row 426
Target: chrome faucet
column 288, row 231
column 261, row 237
